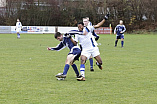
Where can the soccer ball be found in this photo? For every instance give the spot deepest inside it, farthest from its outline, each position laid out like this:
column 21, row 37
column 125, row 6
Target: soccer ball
column 60, row 78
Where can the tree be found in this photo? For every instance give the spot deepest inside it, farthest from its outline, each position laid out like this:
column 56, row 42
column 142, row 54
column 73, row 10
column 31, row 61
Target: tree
column 136, row 14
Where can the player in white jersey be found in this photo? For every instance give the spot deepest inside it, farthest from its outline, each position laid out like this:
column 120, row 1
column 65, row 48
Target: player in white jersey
column 18, row 28
column 89, row 45
column 94, row 34
column 96, row 38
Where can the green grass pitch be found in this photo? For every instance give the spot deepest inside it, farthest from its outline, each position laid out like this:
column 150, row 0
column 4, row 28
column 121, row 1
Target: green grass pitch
column 27, row 72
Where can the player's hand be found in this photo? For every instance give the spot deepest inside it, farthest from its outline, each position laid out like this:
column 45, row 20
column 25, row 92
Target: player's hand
column 96, row 38
column 49, row 48
column 67, row 35
column 121, row 32
column 107, row 16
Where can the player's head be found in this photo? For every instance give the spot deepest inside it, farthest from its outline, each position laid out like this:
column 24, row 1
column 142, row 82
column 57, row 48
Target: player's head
column 85, row 21
column 18, row 20
column 80, row 26
column 121, row 22
column 58, row 36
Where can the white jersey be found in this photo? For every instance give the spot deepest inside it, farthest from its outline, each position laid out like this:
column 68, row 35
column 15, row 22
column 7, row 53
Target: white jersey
column 18, row 25
column 87, row 41
column 90, row 23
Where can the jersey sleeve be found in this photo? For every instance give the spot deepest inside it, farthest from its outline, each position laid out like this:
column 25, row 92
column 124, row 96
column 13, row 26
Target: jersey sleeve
column 91, row 28
column 88, row 29
column 16, row 24
column 59, row 47
column 89, row 24
column 124, row 29
column 73, row 32
column 115, row 30
column 94, row 34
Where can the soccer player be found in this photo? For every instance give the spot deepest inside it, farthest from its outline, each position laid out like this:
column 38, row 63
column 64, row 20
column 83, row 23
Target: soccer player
column 96, row 38
column 93, row 33
column 18, row 28
column 119, row 30
column 89, row 46
column 74, row 54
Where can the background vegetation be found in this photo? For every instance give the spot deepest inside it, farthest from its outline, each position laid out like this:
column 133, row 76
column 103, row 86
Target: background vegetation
column 137, row 14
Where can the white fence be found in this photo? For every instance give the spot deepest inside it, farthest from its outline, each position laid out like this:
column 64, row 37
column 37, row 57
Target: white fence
column 48, row 29
column 37, row 29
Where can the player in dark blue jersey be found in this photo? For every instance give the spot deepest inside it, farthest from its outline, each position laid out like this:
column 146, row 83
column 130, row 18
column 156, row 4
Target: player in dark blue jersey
column 74, row 54
column 119, row 30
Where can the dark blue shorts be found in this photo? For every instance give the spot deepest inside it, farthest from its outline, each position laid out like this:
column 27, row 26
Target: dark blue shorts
column 77, row 52
column 120, row 37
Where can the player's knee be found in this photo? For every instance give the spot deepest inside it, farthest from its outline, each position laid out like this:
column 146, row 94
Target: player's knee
column 83, row 61
column 67, row 62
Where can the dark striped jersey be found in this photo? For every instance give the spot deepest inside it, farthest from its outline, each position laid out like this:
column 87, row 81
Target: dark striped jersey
column 119, row 28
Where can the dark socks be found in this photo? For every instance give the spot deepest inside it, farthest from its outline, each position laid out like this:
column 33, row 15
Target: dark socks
column 75, row 69
column 116, row 43
column 66, row 68
column 91, row 62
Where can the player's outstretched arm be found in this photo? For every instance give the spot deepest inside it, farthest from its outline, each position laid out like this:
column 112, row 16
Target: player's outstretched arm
column 57, row 48
column 102, row 22
column 99, row 24
column 49, row 48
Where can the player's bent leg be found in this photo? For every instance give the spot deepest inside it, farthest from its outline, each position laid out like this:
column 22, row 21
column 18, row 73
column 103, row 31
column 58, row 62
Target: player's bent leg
column 82, row 68
column 63, row 75
column 75, row 69
column 91, row 64
column 83, row 59
column 69, row 59
column 116, row 42
column 99, row 61
column 18, row 35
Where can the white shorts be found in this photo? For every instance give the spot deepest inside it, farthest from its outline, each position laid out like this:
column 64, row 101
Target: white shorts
column 18, row 29
column 94, row 52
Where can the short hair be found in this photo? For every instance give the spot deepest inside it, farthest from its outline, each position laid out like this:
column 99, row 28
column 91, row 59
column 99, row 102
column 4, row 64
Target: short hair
column 81, row 23
column 121, row 21
column 57, row 34
column 18, row 20
column 87, row 18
